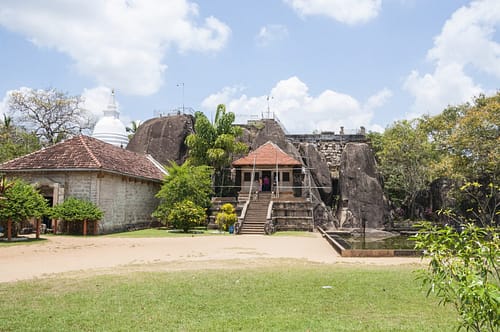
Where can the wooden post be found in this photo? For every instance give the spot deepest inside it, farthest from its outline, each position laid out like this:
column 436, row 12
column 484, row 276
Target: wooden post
column 9, row 229
column 54, row 226
column 95, row 226
column 37, row 228
column 85, row 227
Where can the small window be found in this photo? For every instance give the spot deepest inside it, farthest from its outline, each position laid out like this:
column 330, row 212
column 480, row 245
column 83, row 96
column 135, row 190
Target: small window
column 286, row 177
column 247, row 176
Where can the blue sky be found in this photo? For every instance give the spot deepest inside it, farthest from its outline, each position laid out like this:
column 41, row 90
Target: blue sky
column 323, row 64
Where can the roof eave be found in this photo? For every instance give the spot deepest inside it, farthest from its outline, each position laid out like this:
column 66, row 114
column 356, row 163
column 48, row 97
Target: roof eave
column 39, row 170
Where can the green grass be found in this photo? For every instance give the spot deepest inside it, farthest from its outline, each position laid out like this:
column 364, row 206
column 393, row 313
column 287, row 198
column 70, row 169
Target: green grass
column 162, row 232
column 288, row 298
column 294, row 233
column 20, row 243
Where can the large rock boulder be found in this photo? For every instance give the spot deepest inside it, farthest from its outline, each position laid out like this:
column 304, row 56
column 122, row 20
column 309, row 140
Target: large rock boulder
column 320, row 173
column 163, row 138
column 362, row 201
column 261, row 131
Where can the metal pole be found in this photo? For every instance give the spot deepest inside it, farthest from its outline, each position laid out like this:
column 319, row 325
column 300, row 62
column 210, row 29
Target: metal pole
column 182, row 85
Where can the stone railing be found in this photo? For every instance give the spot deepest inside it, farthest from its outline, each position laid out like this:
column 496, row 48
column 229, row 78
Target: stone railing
column 269, row 227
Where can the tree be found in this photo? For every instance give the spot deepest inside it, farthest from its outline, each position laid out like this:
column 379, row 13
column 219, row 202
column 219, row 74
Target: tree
column 19, row 201
column 79, row 211
column 226, row 217
column 183, row 183
column 132, row 128
column 463, row 270
column 404, row 155
column 215, row 144
column 51, row 114
column 468, row 138
column 15, row 141
column 185, row 215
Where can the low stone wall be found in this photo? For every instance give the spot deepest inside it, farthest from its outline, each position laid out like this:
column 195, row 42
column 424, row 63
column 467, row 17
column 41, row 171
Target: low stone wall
column 293, row 215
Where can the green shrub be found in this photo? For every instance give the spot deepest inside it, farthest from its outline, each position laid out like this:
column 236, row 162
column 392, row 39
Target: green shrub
column 186, row 215
column 226, row 217
column 464, row 271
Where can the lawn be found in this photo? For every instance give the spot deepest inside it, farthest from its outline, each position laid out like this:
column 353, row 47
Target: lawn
column 301, row 297
column 162, row 232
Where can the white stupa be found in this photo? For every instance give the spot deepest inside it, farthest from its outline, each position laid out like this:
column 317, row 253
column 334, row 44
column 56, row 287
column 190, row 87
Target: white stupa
column 109, row 128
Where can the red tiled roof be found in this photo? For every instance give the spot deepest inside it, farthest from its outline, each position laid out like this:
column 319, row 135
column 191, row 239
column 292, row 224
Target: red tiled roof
column 86, row 153
column 268, row 154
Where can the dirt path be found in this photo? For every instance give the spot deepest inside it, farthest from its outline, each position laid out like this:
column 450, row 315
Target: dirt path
column 116, row 255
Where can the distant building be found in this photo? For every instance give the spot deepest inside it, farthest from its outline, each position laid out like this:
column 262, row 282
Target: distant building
column 273, row 170
column 270, row 183
column 109, row 128
column 121, row 183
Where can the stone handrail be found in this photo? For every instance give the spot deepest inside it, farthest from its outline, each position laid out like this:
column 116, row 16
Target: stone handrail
column 241, row 218
column 269, row 226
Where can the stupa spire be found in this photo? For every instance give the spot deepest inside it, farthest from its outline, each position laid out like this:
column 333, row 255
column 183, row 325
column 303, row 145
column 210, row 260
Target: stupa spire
column 112, row 109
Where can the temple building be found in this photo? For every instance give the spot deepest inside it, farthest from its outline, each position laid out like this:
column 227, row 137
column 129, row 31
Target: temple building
column 270, row 192
column 269, row 169
column 109, row 128
column 122, row 183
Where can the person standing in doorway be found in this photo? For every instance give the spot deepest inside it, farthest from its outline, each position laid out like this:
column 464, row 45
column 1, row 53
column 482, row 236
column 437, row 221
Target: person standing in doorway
column 265, row 184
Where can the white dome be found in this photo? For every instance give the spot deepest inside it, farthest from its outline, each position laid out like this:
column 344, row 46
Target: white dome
column 109, row 128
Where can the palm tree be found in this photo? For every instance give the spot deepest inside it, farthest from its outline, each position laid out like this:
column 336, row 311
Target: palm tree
column 132, row 129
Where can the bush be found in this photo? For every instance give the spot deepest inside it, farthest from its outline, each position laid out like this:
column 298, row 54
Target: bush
column 463, row 270
column 186, row 215
column 77, row 210
column 226, row 217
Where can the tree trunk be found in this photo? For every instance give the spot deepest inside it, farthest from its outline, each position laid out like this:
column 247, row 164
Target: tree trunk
column 37, row 228
column 85, row 227
column 9, row 230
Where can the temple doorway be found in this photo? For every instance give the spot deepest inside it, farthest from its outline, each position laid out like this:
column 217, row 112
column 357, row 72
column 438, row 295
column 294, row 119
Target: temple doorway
column 266, row 180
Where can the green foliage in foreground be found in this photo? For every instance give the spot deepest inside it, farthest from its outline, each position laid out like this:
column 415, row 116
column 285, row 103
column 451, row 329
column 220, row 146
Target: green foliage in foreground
column 464, row 270
column 288, row 298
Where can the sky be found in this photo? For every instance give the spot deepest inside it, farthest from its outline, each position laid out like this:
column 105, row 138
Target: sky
column 316, row 65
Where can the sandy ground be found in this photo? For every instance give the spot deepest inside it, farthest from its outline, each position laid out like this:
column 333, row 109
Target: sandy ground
column 100, row 255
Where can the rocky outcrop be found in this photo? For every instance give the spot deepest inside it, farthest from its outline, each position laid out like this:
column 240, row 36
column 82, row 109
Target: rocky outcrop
column 362, row 201
column 259, row 132
column 320, row 173
column 163, row 138
column 265, row 130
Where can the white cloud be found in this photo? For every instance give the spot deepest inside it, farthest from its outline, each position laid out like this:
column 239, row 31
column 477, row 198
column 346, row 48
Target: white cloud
column 300, row 111
column 118, row 43
column 3, row 105
column 96, row 100
column 465, row 42
column 271, row 33
column 345, row 11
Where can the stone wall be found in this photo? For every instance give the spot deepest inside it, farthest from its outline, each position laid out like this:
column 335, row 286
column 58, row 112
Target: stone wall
column 330, row 146
column 126, row 202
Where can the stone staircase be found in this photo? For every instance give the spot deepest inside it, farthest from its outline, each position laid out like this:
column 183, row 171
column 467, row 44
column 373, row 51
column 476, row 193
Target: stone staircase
column 256, row 214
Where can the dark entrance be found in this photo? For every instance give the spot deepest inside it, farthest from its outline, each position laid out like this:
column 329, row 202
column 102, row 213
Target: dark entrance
column 46, row 219
column 266, row 180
